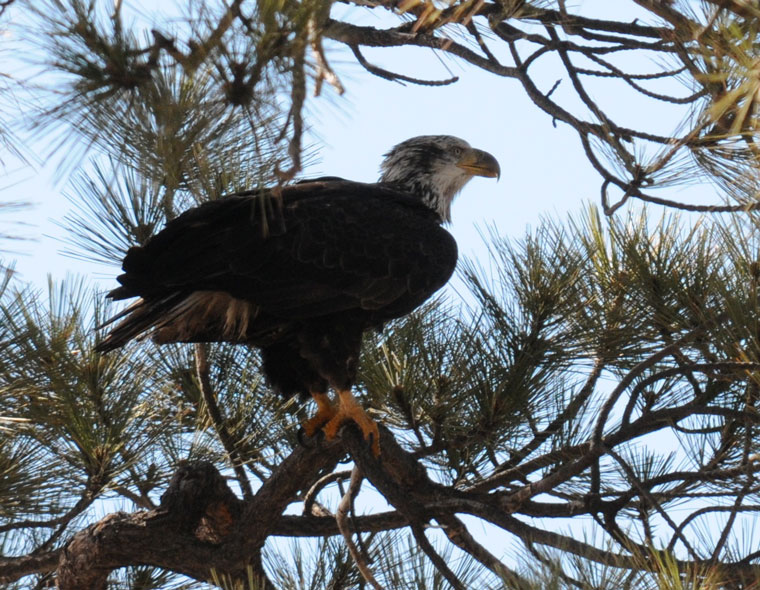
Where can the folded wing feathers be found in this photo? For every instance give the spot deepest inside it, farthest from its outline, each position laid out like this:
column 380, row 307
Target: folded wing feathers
column 182, row 318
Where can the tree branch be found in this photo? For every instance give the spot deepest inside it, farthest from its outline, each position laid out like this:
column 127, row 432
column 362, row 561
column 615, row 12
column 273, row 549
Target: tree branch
column 14, row 568
column 209, row 399
column 199, row 527
column 341, row 519
column 355, row 35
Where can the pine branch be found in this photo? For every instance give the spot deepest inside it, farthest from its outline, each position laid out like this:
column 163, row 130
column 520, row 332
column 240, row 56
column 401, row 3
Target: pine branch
column 436, row 559
column 86, row 499
column 311, row 496
column 459, row 535
column 184, row 534
column 14, row 568
column 342, row 520
column 209, row 399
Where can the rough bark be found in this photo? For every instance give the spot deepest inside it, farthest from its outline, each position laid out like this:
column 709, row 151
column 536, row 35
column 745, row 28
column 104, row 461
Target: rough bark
column 200, row 527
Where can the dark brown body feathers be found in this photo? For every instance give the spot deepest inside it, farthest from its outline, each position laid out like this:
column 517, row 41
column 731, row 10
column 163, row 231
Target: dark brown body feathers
column 300, row 274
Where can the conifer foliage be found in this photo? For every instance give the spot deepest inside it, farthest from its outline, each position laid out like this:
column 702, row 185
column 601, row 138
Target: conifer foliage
column 585, row 417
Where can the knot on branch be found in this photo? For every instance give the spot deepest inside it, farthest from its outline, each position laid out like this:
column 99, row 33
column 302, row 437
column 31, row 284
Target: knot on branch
column 199, row 501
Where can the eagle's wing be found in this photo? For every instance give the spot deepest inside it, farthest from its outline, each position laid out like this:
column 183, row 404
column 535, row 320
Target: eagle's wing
column 317, row 248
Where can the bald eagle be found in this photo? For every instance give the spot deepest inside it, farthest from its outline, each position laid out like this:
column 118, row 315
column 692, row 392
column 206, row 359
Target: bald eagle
column 301, row 272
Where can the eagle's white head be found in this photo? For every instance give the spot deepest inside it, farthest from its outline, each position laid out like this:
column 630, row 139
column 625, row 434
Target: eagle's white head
column 436, row 167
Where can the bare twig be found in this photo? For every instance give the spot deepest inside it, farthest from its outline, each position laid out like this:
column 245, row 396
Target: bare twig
column 311, row 496
column 396, row 77
column 653, row 502
column 458, row 534
column 324, row 70
column 341, row 518
column 209, row 399
column 438, row 561
column 567, row 414
column 86, row 499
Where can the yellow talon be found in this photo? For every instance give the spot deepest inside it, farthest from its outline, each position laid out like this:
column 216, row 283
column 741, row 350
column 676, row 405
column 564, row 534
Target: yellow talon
column 349, row 409
column 325, row 413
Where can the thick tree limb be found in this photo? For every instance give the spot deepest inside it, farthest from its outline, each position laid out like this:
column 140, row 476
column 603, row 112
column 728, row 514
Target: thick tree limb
column 14, row 568
column 201, row 526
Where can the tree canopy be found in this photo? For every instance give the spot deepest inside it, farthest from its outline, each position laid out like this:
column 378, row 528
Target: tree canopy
column 592, row 400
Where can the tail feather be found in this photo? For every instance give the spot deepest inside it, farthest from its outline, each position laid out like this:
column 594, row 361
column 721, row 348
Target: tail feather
column 124, row 312
column 140, row 318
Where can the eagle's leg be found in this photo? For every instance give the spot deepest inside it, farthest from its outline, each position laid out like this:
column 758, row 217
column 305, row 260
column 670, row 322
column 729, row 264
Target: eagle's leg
column 325, row 412
column 350, row 409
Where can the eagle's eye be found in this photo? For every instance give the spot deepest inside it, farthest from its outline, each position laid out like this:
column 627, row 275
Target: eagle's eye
column 457, row 151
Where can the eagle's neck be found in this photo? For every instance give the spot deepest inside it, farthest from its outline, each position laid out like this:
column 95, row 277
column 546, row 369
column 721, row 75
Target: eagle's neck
column 437, row 191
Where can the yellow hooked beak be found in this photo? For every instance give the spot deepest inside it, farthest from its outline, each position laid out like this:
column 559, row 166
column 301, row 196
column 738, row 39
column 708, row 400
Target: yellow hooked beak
column 479, row 163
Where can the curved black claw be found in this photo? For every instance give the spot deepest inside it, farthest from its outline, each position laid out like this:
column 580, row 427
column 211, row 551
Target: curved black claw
column 304, row 440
